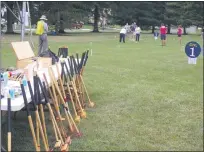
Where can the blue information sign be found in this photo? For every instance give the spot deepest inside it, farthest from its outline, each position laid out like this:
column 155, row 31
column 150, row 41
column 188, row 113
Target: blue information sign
column 192, row 49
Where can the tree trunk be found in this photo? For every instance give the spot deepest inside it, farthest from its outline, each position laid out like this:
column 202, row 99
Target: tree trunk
column 153, row 28
column 9, row 19
column 184, row 31
column 56, row 27
column 96, row 19
column 169, row 29
column 61, row 26
column 138, row 21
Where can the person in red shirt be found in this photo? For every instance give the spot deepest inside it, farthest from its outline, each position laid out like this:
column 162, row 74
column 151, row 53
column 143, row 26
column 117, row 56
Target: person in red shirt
column 163, row 31
column 179, row 32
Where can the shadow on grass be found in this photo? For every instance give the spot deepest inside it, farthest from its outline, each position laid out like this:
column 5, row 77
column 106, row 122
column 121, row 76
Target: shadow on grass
column 89, row 33
column 84, row 33
column 71, row 34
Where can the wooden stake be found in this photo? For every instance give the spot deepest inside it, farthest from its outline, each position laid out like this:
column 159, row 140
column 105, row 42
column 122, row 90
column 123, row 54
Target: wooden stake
column 58, row 142
column 67, row 112
column 91, row 104
column 82, row 66
column 42, row 113
column 61, row 97
column 38, row 121
column 29, row 117
column 55, row 102
column 9, row 124
column 77, row 80
column 59, row 115
column 77, row 118
column 34, row 100
column 82, row 112
column 51, row 112
column 43, row 121
column 37, row 131
column 69, row 90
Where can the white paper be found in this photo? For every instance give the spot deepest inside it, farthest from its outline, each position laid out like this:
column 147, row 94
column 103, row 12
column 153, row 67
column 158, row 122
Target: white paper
column 25, row 18
column 192, row 60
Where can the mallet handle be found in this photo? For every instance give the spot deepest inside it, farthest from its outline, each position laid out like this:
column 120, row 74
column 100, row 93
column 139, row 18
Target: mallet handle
column 87, row 52
column 29, row 117
column 82, row 60
column 9, row 124
column 50, row 109
column 71, row 67
column 68, row 72
column 77, row 55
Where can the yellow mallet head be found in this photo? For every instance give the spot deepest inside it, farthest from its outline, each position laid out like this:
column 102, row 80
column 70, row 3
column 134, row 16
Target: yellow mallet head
column 83, row 114
column 77, row 119
column 91, row 104
column 62, row 60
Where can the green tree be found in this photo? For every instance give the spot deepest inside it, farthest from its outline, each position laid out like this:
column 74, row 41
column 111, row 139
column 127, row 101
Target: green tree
column 196, row 13
column 124, row 12
column 145, row 14
column 158, row 11
column 171, row 14
column 94, row 9
column 183, row 13
column 61, row 15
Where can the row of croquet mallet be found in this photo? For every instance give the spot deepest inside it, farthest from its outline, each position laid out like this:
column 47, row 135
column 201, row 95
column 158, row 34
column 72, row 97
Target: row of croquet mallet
column 69, row 87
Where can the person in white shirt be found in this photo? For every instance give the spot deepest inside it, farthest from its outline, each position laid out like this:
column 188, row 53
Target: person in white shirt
column 133, row 27
column 122, row 34
column 137, row 31
column 126, row 26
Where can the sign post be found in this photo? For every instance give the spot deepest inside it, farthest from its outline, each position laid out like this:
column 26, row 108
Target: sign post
column 23, row 21
column 91, row 48
column 192, row 50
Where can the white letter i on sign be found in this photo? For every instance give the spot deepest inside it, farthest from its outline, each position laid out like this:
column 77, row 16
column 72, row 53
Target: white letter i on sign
column 192, row 52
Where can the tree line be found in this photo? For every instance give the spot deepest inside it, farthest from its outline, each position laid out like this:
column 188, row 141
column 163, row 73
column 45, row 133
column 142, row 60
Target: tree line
column 146, row 14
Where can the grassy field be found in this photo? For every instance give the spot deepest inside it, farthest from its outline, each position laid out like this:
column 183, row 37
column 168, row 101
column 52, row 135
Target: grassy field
column 147, row 97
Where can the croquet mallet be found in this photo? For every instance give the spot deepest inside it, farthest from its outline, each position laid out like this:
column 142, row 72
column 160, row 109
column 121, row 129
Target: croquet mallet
column 63, row 65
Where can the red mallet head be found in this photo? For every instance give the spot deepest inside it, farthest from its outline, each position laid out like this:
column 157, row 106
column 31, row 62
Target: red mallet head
column 79, row 134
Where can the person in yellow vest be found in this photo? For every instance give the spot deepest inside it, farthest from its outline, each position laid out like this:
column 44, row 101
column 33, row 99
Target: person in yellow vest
column 42, row 29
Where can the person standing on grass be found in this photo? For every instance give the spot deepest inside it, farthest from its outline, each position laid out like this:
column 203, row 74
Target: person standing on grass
column 122, row 34
column 127, row 26
column 156, row 34
column 137, row 31
column 179, row 32
column 133, row 31
column 135, row 25
column 42, row 29
column 163, row 31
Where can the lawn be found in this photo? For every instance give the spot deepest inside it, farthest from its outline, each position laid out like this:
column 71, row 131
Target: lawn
column 147, row 97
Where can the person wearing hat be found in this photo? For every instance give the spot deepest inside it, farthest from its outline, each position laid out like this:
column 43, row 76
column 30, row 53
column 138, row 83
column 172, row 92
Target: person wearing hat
column 42, row 29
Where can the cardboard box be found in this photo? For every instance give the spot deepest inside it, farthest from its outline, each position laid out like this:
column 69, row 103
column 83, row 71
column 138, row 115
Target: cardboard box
column 22, row 50
column 44, row 62
column 26, row 56
column 24, row 53
column 21, row 64
column 29, row 69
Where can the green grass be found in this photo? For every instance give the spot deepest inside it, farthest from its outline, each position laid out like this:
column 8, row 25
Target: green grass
column 147, row 97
